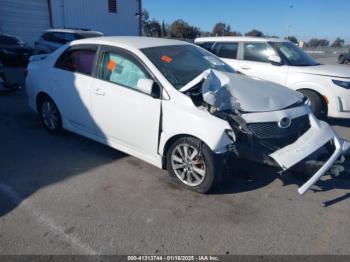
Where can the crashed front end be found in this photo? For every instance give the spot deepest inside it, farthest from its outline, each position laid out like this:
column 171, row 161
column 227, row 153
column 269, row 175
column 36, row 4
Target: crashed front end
column 272, row 125
column 305, row 140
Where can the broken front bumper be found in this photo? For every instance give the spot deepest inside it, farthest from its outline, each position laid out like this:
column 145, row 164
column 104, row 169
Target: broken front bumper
column 316, row 137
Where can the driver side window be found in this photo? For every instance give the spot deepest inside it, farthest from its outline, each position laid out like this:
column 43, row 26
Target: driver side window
column 121, row 69
column 257, row 52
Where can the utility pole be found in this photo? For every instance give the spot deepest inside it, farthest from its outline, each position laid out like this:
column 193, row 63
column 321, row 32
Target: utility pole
column 289, row 28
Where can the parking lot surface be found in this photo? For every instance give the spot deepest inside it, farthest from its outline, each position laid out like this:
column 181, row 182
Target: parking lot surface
column 69, row 195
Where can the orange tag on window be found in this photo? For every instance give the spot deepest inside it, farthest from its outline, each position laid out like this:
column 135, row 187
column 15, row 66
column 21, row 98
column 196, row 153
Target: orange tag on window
column 112, row 65
column 167, row 59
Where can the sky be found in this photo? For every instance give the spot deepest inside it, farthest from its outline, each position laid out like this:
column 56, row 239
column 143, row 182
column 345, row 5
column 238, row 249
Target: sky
column 302, row 18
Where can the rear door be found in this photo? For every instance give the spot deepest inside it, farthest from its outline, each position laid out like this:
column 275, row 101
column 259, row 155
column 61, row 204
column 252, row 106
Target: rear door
column 228, row 52
column 71, row 81
column 124, row 115
column 255, row 63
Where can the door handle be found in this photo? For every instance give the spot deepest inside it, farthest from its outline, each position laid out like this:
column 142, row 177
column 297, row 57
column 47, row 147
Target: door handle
column 245, row 67
column 99, row 92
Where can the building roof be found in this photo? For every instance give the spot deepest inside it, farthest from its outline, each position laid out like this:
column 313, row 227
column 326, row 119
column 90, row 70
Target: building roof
column 137, row 42
column 239, row 39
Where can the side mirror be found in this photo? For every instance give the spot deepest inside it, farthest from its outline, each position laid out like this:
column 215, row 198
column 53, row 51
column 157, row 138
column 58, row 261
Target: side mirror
column 149, row 87
column 275, row 60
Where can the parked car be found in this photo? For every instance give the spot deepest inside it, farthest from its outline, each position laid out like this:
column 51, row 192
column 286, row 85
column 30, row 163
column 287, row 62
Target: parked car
column 14, row 51
column 52, row 39
column 344, row 58
column 176, row 106
column 2, row 79
column 282, row 62
column 5, row 87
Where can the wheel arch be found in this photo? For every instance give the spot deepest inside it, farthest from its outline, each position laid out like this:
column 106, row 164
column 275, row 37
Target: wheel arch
column 323, row 97
column 39, row 98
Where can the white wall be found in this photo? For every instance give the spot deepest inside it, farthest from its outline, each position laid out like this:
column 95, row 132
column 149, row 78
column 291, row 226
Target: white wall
column 93, row 14
column 24, row 18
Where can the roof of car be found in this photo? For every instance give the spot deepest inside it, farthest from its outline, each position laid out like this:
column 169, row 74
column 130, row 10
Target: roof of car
column 239, row 38
column 73, row 31
column 137, row 42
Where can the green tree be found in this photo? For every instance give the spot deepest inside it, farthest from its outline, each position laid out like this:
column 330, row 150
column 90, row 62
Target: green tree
column 255, row 33
column 292, row 39
column 163, row 30
column 338, row 42
column 155, row 28
column 221, row 29
column 146, row 23
column 181, row 29
column 315, row 42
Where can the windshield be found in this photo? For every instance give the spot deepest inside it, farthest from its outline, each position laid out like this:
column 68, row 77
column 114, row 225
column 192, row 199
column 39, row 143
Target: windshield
column 293, row 54
column 182, row 63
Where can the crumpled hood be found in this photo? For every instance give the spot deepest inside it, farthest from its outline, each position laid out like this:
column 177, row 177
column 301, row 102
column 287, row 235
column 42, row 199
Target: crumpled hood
column 229, row 91
column 324, row 70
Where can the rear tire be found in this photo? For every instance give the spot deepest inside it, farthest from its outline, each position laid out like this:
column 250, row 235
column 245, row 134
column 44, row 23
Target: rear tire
column 50, row 115
column 318, row 106
column 194, row 165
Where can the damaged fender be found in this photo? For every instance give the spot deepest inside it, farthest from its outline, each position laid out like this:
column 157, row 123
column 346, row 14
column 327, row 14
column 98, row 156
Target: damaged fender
column 242, row 97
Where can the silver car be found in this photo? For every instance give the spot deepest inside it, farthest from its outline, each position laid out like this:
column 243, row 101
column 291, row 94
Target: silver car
column 53, row 39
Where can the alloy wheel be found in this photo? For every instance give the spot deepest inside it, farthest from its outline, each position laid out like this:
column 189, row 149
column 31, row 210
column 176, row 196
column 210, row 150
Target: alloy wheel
column 188, row 164
column 50, row 115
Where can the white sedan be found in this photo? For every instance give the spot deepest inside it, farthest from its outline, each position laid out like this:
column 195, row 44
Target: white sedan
column 176, row 106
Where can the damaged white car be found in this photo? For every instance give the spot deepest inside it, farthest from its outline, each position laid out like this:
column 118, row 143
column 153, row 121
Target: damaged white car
column 178, row 107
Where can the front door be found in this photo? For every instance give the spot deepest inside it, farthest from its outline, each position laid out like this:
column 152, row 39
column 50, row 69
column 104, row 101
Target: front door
column 124, row 115
column 228, row 52
column 255, row 63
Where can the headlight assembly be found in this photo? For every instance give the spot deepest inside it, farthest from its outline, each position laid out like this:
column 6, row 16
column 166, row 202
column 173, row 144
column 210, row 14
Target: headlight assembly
column 344, row 84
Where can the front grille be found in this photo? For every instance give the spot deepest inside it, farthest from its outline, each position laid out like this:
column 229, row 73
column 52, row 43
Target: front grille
column 270, row 130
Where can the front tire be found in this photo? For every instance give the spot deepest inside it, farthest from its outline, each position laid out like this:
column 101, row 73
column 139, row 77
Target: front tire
column 50, row 116
column 341, row 60
column 318, row 107
column 194, row 165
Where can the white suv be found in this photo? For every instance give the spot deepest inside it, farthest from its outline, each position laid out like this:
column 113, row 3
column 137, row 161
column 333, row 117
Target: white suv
column 282, row 62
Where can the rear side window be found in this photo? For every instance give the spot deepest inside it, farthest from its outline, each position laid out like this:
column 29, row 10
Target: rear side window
column 206, row 45
column 226, row 50
column 77, row 60
column 258, row 52
column 121, row 69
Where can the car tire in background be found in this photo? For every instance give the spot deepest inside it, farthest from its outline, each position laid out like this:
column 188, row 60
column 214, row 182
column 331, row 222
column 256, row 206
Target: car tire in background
column 341, row 59
column 194, row 165
column 50, row 115
column 318, row 106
